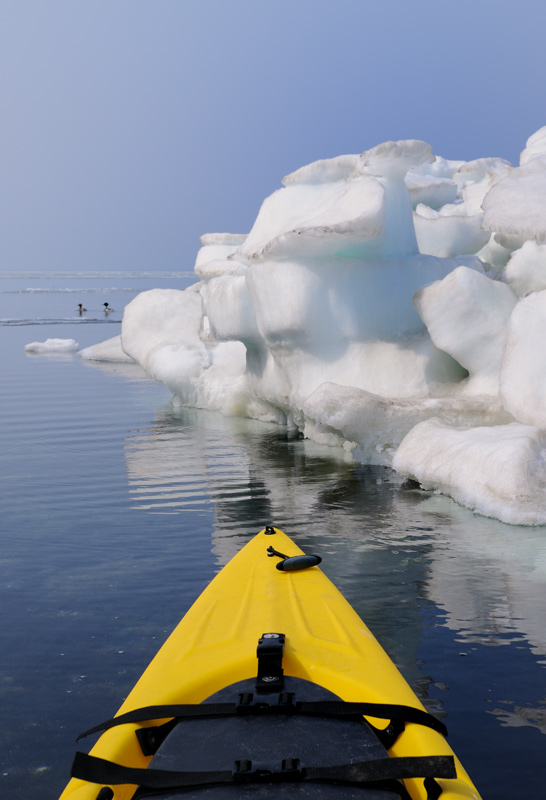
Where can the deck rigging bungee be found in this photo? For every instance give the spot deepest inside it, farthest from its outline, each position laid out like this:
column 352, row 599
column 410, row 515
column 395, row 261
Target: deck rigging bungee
column 289, row 719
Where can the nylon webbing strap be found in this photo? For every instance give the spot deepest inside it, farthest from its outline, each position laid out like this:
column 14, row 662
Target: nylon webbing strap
column 326, row 708
column 338, row 708
column 98, row 770
column 147, row 713
column 386, row 769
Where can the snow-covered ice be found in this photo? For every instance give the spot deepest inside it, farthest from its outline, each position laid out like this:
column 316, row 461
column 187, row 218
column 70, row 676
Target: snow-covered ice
column 466, row 315
column 391, row 303
column 110, row 350
column 525, row 271
column 499, row 471
column 523, row 373
column 52, row 346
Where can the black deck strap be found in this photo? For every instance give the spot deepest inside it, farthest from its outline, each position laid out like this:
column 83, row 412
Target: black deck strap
column 386, row 769
column 180, row 711
column 270, row 672
column 392, row 711
column 98, row 770
column 319, row 708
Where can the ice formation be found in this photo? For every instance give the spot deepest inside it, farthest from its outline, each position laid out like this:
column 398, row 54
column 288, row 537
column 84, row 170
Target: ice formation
column 110, row 350
column 390, row 303
column 52, row 346
column 499, row 471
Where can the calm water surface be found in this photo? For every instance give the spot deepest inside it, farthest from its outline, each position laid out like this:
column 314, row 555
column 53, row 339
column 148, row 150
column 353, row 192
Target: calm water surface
column 117, row 510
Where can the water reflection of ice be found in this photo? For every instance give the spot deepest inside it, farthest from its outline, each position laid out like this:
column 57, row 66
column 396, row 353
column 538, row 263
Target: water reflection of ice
column 490, row 578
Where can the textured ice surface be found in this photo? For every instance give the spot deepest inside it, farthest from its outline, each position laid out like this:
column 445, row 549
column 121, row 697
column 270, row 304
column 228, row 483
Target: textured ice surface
column 497, row 471
column 466, row 315
column 523, row 373
column 525, row 270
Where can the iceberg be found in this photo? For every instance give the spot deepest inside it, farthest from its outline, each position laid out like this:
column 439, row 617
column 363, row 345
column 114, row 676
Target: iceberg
column 391, row 303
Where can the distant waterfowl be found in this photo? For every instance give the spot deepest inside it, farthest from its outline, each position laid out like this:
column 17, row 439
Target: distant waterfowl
column 81, row 309
column 107, row 308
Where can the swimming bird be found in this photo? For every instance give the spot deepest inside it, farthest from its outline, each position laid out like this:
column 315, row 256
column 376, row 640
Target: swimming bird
column 107, row 308
column 81, row 309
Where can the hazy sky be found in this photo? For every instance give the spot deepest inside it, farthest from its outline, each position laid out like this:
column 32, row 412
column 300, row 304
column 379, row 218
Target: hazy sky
column 130, row 127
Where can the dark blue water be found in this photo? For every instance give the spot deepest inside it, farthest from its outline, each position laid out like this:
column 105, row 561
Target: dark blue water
column 116, row 511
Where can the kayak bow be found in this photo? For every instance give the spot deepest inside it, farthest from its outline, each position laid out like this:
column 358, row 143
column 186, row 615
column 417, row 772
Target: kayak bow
column 271, row 686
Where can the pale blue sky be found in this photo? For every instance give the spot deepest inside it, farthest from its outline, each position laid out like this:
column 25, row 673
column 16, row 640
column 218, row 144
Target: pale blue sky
column 130, row 127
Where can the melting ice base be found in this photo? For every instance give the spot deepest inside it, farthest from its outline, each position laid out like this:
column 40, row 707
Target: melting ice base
column 390, row 303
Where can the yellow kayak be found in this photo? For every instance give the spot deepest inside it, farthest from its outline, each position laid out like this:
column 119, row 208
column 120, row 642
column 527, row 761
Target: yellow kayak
column 270, row 686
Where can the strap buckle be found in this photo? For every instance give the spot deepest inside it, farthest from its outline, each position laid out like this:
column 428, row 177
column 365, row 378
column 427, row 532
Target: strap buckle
column 280, row 702
column 289, row 769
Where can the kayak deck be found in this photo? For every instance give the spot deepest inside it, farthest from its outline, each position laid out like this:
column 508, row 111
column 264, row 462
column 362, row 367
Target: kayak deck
column 216, row 744
column 214, row 648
